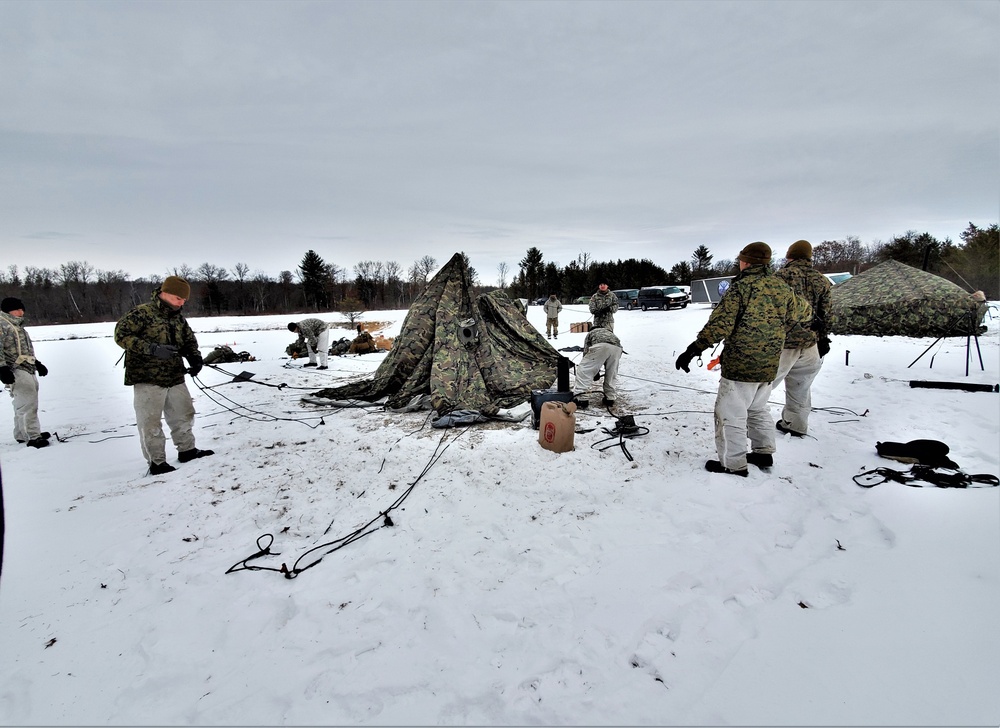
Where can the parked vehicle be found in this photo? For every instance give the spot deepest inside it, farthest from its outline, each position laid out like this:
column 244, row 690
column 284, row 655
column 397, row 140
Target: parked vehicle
column 661, row 297
column 627, row 298
column 540, row 301
column 582, row 299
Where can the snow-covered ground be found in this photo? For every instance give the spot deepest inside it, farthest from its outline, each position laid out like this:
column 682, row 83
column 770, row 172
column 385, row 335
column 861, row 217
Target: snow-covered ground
column 516, row 586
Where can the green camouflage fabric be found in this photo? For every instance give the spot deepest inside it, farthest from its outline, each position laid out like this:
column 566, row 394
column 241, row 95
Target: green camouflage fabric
column 12, row 334
column 155, row 323
column 224, row 354
column 813, row 286
column 497, row 365
column 297, row 349
column 894, row 299
column 310, row 329
column 603, row 307
column 600, row 336
column 753, row 317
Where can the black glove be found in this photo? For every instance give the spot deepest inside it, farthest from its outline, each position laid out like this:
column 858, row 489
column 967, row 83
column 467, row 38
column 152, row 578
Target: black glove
column 196, row 363
column 824, row 346
column 41, row 368
column 6, row 374
column 163, row 351
column 684, row 360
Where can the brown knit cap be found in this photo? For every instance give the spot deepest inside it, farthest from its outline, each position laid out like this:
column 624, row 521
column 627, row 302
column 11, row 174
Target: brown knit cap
column 755, row 254
column 799, row 250
column 176, row 286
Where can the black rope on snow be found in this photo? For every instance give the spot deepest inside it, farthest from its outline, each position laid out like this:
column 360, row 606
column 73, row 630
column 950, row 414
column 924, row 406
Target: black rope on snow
column 427, row 419
column 262, row 416
column 623, row 429
column 925, row 476
column 339, row 543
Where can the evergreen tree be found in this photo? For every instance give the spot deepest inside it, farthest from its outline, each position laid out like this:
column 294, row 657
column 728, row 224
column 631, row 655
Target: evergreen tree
column 680, row 274
column 532, row 272
column 976, row 264
column 313, row 274
column 701, row 262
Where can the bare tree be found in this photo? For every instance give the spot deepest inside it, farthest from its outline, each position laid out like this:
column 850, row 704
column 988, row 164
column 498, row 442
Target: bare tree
column 259, row 285
column 240, row 272
column 394, row 282
column 75, row 274
column 352, row 309
column 502, row 272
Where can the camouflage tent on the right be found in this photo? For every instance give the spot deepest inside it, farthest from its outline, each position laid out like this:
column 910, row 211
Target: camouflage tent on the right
column 894, row 299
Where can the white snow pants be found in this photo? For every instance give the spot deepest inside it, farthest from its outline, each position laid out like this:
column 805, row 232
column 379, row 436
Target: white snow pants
column 24, row 392
column 798, row 368
column 173, row 404
column 606, row 355
column 323, row 344
column 741, row 409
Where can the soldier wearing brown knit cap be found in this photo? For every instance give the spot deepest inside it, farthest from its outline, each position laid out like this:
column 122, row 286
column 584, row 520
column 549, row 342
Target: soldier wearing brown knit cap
column 752, row 318
column 157, row 339
column 805, row 344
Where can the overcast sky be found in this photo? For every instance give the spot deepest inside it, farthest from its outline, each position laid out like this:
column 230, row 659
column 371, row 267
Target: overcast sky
column 145, row 135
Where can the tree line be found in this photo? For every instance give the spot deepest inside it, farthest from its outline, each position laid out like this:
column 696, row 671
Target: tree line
column 973, row 264
column 76, row 292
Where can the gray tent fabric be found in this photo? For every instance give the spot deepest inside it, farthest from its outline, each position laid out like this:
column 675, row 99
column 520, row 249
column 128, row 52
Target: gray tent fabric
column 894, row 299
column 466, row 354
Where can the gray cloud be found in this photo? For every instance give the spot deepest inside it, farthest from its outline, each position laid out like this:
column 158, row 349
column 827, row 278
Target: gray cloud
column 164, row 133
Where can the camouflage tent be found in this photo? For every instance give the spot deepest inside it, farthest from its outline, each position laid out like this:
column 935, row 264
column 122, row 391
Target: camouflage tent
column 894, row 299
column 465, row 354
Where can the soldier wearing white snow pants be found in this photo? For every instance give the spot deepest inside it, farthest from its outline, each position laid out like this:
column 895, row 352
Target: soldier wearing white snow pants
column 18, row 367
column 740, row 410
column 797, row 368
column 315, row 333
column 806, row 343
column 600, row 348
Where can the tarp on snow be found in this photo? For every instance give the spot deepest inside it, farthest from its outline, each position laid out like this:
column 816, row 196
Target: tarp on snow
column 465, row 354
column 894, row 299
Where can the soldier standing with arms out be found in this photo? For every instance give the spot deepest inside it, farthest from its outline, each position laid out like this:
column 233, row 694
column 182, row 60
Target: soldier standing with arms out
column 752, row 317
column 155, row 336
column 17, row 372
column 603, row 305
column 805, row 345
column 552, row 308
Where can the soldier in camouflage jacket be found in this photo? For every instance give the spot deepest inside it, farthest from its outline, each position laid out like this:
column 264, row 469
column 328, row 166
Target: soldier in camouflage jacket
column 315, row 334
column 753, row 318
column 603, row 305
column 155, row 337
column 805, row 344
column 17, row 371
column 600, row 348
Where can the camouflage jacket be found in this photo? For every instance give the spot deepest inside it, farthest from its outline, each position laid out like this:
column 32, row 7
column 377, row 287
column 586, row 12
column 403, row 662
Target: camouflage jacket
column 552, row 307
column 18, row 353
column 603, row 306
column 813, row 286
column 310, row 329
column 155, row 323
column 600, row 336
column 753, row 317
